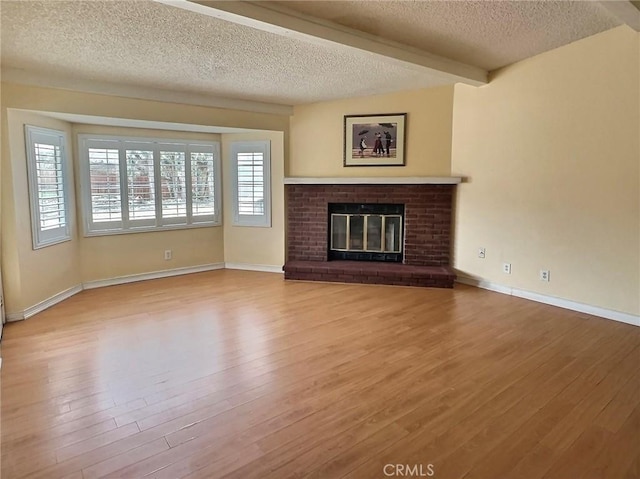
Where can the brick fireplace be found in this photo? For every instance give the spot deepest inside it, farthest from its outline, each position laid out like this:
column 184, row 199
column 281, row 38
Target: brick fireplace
column 427, row 207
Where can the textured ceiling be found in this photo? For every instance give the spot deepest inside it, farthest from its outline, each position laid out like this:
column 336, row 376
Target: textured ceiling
column 153, row 45
column 486, row 34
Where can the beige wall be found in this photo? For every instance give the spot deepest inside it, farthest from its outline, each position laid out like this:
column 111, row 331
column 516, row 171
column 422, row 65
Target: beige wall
column 247, row 244
column 551, row 152
column 64, row 101
column 550, row 149
column 317, row 134
column 104, row 257
column 33, row 276
column 30, row 276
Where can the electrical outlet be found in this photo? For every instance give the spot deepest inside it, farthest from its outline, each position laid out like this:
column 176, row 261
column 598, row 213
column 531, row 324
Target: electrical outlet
column 167, row 254
column 506, row 268
column 545, row 275
column 481, row 253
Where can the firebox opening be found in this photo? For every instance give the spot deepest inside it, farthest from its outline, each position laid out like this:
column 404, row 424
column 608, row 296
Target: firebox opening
column 366, row 232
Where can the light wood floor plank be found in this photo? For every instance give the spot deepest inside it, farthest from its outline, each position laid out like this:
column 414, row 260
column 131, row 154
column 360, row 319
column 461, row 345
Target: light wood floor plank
column 242, row 375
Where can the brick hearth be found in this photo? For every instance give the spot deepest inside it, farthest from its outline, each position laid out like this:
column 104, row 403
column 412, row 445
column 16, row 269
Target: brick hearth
column 371, row 273
column 428, row 210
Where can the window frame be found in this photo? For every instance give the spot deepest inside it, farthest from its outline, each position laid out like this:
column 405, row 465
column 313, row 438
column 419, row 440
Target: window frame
column 126, row 225
column 256, row 146
column 43, row 238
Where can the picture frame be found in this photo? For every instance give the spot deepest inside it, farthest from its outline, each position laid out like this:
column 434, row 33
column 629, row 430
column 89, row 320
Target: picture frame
column 374, row 140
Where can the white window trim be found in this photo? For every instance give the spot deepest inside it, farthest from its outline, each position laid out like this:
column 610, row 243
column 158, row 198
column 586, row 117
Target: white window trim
column 43, row 238
column 126, row 226
column 264, row 147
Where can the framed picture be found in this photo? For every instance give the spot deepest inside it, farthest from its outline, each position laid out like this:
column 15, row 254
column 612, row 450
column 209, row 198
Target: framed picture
column 374, row 140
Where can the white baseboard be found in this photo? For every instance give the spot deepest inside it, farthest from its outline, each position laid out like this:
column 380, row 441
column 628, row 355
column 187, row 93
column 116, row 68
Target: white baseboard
column 265, row 268
column 55, row 299
column 101, row 283
column 42, row 305
column 480, row 283
column 553, row 301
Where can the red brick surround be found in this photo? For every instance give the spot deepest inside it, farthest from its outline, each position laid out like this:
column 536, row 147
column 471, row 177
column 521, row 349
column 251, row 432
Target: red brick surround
column 428, row 213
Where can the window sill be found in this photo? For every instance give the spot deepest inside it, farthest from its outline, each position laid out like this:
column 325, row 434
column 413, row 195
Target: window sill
column 153, row 229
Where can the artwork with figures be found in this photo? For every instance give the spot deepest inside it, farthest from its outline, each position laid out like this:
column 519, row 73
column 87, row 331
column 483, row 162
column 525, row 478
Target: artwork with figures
column 374, row 140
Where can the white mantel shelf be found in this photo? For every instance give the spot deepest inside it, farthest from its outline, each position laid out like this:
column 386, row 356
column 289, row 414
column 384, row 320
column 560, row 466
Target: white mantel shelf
column 399, row 180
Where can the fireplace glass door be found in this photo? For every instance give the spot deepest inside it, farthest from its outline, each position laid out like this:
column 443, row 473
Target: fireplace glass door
column 366, row 233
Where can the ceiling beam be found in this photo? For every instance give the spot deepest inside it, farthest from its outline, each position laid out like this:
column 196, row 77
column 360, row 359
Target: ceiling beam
column 625, row 11
column 291, row 24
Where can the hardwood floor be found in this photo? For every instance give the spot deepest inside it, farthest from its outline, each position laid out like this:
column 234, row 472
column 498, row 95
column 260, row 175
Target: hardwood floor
column 243, row 375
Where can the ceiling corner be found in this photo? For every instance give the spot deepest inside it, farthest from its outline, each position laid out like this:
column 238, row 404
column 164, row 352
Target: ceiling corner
column 627, row 11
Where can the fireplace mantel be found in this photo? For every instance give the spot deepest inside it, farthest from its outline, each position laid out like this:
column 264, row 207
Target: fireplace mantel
column 384, row 180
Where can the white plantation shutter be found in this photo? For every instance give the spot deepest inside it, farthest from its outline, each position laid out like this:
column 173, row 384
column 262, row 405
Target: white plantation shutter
column 140, row 199
column 174, row 191
column 143, row 184
column 104, row 189
column 48, row 196
column 251, row 182
column 205, row 190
